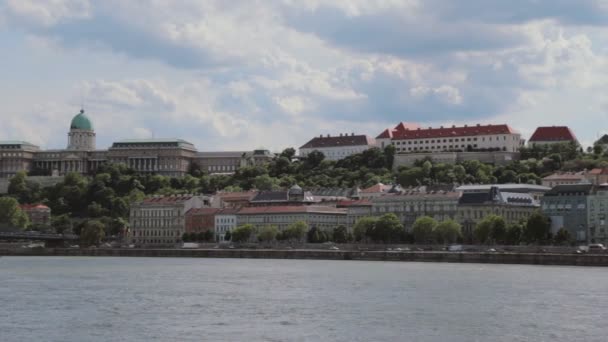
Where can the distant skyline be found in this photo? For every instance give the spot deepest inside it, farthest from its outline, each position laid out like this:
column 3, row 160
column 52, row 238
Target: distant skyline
column 239, row 75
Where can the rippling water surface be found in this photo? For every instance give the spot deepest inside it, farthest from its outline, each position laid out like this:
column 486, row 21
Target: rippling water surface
column 165, row 299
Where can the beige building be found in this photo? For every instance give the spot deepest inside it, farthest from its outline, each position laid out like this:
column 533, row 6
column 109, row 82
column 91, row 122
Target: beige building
column 16, row 156
column 322, row 217
column 228, row 162
column 355, row 210
column 412, row 204
column 561, row 178
column 168, row 157
column 160, row 220
column 512, row 206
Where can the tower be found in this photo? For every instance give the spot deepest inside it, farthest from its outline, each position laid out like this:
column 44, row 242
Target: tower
column 81, row 136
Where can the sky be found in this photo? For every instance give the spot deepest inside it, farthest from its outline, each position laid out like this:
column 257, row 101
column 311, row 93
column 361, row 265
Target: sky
column 245, row 74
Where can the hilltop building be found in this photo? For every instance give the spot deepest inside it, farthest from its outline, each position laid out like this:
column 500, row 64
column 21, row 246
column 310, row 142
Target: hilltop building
column 338, row 147
column 168, row 157
column 496, row 144
column 552, row 135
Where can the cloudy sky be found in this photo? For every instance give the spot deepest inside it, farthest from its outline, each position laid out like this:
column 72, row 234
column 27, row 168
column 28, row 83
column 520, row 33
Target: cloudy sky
column 245, row 74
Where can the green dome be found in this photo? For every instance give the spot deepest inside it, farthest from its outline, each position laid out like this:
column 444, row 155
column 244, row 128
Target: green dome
column 81, row 121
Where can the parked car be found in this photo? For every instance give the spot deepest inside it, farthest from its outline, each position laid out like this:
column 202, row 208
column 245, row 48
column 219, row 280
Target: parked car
column 596, row 248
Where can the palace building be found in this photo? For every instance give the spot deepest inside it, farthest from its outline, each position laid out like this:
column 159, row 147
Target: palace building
column 167, row 157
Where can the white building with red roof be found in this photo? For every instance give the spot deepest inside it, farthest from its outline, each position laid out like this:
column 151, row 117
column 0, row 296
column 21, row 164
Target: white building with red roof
column 338, row 147
column 552, row 135
column 488, row 143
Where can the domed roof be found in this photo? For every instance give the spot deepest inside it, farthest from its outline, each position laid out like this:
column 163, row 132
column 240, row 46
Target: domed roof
column 81, row 121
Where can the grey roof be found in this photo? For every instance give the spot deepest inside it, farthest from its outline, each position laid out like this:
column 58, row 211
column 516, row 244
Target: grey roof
column 335, row 192
column 579, row 188
column 512, row 187
column 497, row 197
column 176, row 142
column 337, row 141
column 221, row 154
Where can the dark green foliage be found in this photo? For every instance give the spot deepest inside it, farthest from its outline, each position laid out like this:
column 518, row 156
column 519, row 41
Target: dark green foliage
column 537, row 228
column 340, row 235
column 92, row 233
column 424, row 230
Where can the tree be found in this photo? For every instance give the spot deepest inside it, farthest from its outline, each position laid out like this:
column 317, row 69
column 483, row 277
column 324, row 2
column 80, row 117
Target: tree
column 448, row 231
column 92, row 233
column 387, row 229
column 243, row 233
column 362, row 227
column 537, row 228
column 288, row 153
column 267, row 234
column 227, row 236
column 11, row 214
column 314, row 159
column 296, row 231
column 562, row 237
column 340, row 234
column 491, row 228
column 62, row 224
column 513, row 234
column 265, row 182
column 423, row 229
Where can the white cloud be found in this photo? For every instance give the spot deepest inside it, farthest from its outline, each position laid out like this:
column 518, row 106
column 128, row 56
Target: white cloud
column 47, row 12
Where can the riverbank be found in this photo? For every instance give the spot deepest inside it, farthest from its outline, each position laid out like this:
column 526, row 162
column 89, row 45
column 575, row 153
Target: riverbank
column 418, row 256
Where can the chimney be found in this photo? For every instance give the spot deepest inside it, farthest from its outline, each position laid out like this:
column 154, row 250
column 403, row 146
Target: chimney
column 440, row 126
column 453, row 126
column 328, row 135
column 340, row 134
column 478, row 125
column 352, row 134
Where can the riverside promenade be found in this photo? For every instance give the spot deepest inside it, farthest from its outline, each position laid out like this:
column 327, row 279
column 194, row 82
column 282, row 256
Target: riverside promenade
column 416, row 256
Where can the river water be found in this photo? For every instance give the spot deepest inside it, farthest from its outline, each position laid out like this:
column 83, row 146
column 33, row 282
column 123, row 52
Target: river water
column 166, row 299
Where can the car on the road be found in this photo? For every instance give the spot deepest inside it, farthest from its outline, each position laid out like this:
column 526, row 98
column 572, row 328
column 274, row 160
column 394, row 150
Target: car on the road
column 596, row 248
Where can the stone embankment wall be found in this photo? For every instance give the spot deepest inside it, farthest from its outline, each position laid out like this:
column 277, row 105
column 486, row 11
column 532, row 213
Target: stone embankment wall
column 459, row 257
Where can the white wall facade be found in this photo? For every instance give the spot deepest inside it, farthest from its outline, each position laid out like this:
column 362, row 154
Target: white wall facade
column 224, row 223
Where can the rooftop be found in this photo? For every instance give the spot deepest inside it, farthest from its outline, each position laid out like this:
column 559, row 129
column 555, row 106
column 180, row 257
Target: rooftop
column 341, row 140
column 203, row 211
column 402, row 126
column 553, row 133
column 504, row 187
column 454, row 131
column 167, row 199
column 173, row 142
column 565, row 176
column 291, row 209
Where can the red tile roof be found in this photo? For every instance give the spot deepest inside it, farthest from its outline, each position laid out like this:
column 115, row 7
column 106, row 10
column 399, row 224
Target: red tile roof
column 448, row 132
column 565, row 176
column 33, row 206
column 598, row 171
column 401, row 127
column 377, row 188
column 553, row 133
column 291, row 209
column 337, row 141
